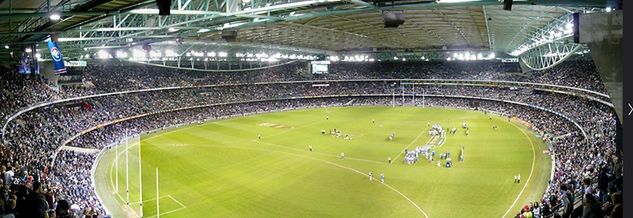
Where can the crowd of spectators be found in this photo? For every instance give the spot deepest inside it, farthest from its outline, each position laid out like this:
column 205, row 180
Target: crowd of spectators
column 33, row 138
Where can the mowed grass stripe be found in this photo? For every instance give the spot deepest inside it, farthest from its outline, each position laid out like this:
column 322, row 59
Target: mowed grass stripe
column 221, row 169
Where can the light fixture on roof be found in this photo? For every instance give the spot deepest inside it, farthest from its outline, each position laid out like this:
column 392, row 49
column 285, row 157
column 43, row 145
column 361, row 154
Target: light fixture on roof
column 203, row 30
column 54, row 16
column 103, row 54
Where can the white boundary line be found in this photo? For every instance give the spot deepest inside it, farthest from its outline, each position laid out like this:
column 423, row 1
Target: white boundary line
column 531, row 170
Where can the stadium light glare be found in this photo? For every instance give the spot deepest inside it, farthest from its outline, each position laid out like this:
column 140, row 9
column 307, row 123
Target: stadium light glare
column 155, row 54
column 38, row 56
column 170, row 53
column 204, row 30
column 222, row 54
column 103, row 54
column 6, row 46
column 28, row 50
column 55, row 17
column 211, row 54
column 171, row 29
column 608, row 9
column 121, row 54
column 138, row 54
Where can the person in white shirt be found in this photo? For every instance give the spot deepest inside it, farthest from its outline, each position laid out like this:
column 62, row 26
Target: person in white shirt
column 8, row 176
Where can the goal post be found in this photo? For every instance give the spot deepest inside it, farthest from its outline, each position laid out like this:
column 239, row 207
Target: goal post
column 414, row 90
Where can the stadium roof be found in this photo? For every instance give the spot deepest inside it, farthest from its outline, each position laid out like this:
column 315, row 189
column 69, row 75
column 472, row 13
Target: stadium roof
column 309, row 25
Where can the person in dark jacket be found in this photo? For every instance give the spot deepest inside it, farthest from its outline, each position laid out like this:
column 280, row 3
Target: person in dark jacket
column 590, row 207
column 616, row 199
column 35, row 203
column 63, row 210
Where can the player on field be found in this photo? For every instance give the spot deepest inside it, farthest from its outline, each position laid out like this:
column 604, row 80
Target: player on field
column 259, row 136
column 519, row 178
column 310, row 147
column 342, row 155
column 371, row 176
column 389, row 160
column 382, row 177
column 327, row 117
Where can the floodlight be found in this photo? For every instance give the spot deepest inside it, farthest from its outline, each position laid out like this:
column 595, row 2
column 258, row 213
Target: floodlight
column 55, row 17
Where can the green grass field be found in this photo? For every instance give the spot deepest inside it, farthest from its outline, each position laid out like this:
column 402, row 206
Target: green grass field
column 221, row 169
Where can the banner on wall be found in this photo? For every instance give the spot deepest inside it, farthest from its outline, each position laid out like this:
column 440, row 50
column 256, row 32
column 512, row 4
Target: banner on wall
column 75, row 63
column 58, row 59
column 24, row 67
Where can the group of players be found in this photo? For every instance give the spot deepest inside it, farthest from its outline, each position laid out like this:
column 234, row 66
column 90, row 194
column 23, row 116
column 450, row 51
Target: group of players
column 411, row 157
column 337, row 133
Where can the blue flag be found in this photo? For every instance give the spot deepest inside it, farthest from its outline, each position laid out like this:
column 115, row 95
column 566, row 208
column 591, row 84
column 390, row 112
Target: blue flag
column 58, row 59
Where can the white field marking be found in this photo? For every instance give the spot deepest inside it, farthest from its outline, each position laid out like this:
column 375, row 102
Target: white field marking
column 153, row 199
column 319, row 153
column 177, row 201
column 531, row 170
column 168, row 212
column 182, row 206
column 293, row 128
column 125, row 207
column 351, row 169
column 412, row 142
column 112, row 179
